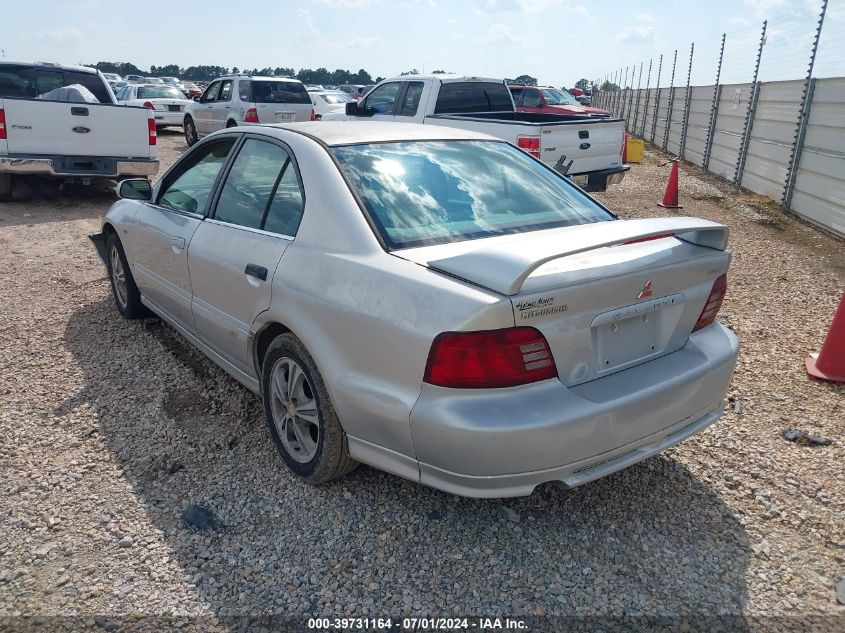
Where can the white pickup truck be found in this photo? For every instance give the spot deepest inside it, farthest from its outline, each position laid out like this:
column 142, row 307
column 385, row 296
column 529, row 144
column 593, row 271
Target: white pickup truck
column 77, row 140
column 588, row 149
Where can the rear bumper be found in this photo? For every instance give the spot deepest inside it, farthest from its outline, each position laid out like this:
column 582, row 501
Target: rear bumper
column 78, row 166
column 169, row 118
column 502, row 443
column 599, row 180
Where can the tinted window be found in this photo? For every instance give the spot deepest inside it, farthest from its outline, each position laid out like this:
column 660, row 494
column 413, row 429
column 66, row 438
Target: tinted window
column 159, row 92
column 473, row 96
column 516, row 93
column 190, row 188
column 47, row 80
column 225, row 91
column 17, row 81
column 211, row 92
column 412, row 99
column 91, row 81
column 531, row 98
column 251, row 183
column 278, row 92
column 420, row 193
column 285, row 210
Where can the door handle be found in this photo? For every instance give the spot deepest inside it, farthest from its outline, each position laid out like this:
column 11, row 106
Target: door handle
column 254, row 270
column 79, row 111
column 178, row 242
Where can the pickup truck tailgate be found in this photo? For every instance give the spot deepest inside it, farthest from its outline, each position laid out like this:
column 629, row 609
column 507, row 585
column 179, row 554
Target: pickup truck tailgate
column 76, row 129
column 592, row 144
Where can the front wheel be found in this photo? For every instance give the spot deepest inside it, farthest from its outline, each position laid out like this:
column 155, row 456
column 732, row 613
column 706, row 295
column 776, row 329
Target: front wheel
column 127, row 297
column 299, row 412
column 190, row 132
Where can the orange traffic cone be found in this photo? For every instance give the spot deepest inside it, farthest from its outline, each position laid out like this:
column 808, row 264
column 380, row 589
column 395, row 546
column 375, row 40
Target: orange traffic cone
column 670, row 198
column 830, row 362
column 624, row 148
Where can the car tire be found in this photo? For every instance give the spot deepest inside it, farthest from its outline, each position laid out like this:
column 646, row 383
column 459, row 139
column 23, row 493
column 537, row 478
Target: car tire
column 126, row 295
column 191, row 136
column 300, row 414
column 5, row 187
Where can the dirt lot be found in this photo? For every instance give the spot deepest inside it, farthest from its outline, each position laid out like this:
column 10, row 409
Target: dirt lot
column 111, row 429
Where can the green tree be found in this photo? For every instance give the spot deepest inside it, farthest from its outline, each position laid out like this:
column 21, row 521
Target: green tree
column 583, row 84
column 609, row 86
column 413, row 71
column 523, row 80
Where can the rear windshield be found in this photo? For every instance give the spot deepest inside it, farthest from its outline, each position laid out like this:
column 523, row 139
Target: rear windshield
column 276, row 92
column 432, row 192
column 559, row 97
column 159, row 92
column 473, row 96
column 27, row 82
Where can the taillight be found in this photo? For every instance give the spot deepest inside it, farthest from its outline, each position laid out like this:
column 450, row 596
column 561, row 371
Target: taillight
column 489, row 359
column 2, row 123
column 530, row 144
column 714, row 303
column 251, row 116
column 149, row 105
column 151, row 126
column 313, row 115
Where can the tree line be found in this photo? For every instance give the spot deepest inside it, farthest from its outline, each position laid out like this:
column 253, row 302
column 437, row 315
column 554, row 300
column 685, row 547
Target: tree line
column 207, row 73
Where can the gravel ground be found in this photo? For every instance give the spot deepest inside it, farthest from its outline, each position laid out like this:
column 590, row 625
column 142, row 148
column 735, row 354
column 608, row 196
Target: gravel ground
column 111, row 429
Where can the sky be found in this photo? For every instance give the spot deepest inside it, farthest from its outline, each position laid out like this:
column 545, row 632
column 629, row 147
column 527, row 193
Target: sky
column 557, row 41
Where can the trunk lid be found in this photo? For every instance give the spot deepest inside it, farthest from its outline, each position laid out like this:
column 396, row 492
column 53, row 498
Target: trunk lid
column 605, row 295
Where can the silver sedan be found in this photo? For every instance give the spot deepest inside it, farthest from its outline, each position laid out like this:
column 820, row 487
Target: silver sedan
column 430, row 301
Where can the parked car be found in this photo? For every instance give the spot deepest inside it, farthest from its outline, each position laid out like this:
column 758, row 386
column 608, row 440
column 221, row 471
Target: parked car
column 542, row 340
column 243, row 100
column 191, row 89
column 328, row 101
column 81, row 140
column 167, row 102
column 152, row 80
column 134, row 79
column 587, row 148
column 551, row 100
column 351, row 89
column 171, row 81
column 110, row 77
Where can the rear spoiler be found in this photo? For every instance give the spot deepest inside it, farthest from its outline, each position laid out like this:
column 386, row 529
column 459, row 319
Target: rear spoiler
column 504, row 266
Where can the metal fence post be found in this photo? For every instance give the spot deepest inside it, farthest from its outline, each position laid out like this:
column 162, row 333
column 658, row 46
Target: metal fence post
column 631, row 97
column 647, row 99
column 803, row 117
column 624, row 96
column 714, row 108
column 639, row 93
column 687, row 103
column 656, row 100
column 749, row 113
column 671, row 102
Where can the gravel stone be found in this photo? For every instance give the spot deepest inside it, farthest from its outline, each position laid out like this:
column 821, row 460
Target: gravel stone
column 840, row 591
column 97, row 412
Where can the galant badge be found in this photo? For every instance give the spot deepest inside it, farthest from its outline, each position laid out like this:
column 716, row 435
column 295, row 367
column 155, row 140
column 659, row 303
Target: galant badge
column 81, row 129
column 646, row 291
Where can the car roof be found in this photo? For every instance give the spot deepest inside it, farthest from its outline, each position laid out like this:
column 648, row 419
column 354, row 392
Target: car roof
column 84, row 69
column 334, row 133
column 446, row 78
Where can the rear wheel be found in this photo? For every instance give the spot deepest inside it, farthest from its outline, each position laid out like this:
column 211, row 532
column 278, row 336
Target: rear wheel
column 190, row 132
column 5, row 187
column 299, row 412
column 127, row 297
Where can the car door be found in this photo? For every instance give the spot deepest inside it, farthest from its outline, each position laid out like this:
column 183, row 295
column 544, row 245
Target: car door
column 383, row 101
column 163, row 228
column 234, row 253
column 203, row 112
column 409, row 100
column 222, row 106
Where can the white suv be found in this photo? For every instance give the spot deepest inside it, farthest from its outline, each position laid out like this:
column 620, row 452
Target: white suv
column 242, row 100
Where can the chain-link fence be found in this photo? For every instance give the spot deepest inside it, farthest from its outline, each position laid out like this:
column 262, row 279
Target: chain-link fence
column 763, row 107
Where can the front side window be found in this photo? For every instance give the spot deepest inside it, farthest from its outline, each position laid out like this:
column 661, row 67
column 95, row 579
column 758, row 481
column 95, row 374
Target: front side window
column 211, row 92
column 252, row 184
column 382, row 98
column 191, row 187
column 432, row 192
column 411, row 101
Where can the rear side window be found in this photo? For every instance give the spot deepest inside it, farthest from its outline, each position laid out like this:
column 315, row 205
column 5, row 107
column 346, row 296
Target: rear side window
column 473, row 96
column 278, row 92
column 412, row 99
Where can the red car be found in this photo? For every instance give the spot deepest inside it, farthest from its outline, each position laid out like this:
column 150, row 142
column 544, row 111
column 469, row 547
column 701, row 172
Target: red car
column 550, row 101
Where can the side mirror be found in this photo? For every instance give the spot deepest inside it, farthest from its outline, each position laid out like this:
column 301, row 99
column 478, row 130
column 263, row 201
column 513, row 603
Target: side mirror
column 135, row 189
column 352, row 109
